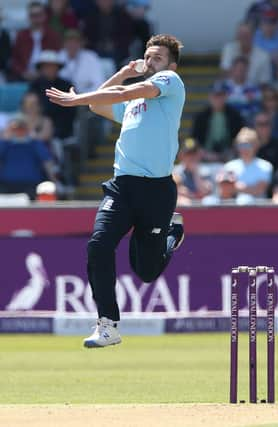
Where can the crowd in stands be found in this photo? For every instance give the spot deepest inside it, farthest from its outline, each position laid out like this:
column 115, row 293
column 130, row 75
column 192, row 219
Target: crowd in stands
column 232, row 152
column 64, row 43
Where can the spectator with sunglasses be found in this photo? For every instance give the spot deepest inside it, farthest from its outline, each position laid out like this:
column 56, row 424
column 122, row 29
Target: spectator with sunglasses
column 253, row 174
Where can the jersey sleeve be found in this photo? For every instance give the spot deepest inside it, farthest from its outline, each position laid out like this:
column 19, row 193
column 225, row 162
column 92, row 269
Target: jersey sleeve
column 167, row 82
column 119, row 111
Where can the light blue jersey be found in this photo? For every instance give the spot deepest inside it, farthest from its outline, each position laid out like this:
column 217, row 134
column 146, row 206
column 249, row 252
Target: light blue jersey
column 148, row 142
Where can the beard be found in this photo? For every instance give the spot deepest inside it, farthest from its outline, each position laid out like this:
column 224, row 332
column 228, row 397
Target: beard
column 149, row 72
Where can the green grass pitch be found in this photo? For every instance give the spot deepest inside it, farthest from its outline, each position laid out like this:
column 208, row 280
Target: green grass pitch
column 165, row 369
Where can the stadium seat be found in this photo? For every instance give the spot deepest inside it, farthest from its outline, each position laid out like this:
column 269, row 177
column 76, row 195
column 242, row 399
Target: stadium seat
column 11, row 95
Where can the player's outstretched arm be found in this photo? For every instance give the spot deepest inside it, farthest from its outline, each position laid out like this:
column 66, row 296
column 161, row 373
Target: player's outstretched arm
column 69, row 99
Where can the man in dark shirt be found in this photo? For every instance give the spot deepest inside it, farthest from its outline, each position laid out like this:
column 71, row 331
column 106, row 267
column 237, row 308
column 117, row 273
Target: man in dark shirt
column 48, row 66
column 268, row 148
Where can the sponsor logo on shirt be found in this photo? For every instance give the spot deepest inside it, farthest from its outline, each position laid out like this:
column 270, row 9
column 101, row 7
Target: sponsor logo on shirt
column 137, row 109
column 164, row 79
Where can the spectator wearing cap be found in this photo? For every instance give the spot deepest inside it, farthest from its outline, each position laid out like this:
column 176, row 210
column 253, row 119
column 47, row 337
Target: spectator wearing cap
column 217, row 125
column 266, row 35
column 190, row 184
column 253, row 174
column 109, row 32
column 49, row 65
column 24, row 162
column 268, row 146
column 84, row 69
column 259, row 61
column 30, row 42
column 141, row 26
column 225, row 189
column 61, row 16
column 242, row 95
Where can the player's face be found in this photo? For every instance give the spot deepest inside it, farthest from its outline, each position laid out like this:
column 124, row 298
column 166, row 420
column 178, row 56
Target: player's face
column 157, row 59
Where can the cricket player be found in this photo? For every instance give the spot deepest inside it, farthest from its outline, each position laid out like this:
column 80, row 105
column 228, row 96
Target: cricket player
column 142, row 194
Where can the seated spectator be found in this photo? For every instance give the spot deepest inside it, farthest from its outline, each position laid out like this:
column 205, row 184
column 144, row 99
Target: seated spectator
column 141, row 26
column 225, row 189
column 24, row 162
column 109, row 32
column 253, row 175
column 242, row 95
column 270, row 105
column 190, row 184
column 40, row 126
column 5, row 51
column 61, row 17
column 216, row 126
column 266, row 36
column 256, row 9
column 81, row 66
column 48, row 65
column 31, row 42
column 259, row 62
column 84, row 69
column 268, row 146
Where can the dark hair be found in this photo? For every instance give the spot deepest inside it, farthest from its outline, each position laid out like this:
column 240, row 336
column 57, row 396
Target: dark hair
column 171, row 42
column 35, row 4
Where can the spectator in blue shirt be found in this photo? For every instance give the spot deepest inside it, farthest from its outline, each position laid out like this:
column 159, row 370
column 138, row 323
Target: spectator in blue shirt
column 24, row 162
column 266, row 36
column 253, row 174
column 242, row 95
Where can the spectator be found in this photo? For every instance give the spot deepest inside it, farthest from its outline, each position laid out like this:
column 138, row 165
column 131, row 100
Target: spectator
column 266, row 36
column 216, row 126
column 30, row 42
column 225, row 189
column 109, row 31
column 25, row 162
column 83, row 68
column 141, row 26
column 49, row 64
column 256, row 10
column 268, row 146
column 61, row 17
column 40, row 126
column 270, row 105
column 253, row 175
column 5, row 51
column 259, row 62
column 190, row 184
column 242, row 95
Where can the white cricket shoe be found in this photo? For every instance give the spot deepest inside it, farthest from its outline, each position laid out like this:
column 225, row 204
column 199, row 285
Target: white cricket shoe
column 106, row 333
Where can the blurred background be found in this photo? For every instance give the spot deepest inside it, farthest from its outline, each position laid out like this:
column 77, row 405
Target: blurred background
column 53, row 160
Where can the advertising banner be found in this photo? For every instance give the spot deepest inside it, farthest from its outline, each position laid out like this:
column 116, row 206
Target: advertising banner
column 49, row 273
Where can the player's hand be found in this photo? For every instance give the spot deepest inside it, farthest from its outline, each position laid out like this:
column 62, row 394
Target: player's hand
column 129, row 72
column 65, row 99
